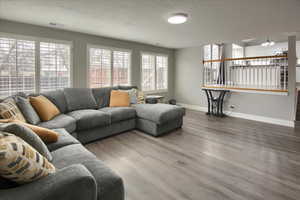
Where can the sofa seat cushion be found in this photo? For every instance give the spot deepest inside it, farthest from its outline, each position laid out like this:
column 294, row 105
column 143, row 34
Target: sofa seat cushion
column 87, row 119
column 71, row 154
column 60, row 121
column 110, row 185
column 119, row 113
column 159, row 113
column 64, row 139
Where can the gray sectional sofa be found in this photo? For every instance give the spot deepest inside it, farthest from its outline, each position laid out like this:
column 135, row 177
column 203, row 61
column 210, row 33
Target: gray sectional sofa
column 86, row 117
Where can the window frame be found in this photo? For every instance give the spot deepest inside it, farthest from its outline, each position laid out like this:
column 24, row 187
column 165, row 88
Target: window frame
column 37, row 41
column 239, row 46
column 211, row 51
column 155, row 72
column 111, row 49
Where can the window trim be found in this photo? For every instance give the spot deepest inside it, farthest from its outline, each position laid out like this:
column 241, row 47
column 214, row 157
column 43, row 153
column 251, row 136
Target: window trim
column 37, row 41
column 141, row 72
column 112, row 49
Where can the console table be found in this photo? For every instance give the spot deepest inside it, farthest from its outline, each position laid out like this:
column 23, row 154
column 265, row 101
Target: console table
column 215, row 103
column 153, row 99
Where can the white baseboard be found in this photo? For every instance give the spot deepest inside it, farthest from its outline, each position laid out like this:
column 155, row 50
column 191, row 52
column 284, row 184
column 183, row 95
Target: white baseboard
column 244, row 116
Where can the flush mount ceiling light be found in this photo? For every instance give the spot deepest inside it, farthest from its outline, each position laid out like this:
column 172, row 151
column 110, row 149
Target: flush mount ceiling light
column 178, row 18
column 268, row 43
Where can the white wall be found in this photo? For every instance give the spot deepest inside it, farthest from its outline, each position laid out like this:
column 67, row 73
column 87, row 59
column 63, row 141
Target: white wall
column 187, row 90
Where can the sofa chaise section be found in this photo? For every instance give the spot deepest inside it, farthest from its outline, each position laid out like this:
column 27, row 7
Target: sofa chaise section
column 157, row 119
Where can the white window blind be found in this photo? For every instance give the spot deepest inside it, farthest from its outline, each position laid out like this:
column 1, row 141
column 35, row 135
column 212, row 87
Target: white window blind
column 154, row 72
column 121, row 64
column 100, row 68
column 17, row 66
column 161, row 72
column 148, row 72
column 55, row 66
column 108, row 67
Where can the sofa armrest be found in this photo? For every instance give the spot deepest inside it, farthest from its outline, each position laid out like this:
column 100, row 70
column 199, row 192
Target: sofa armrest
column 73, row 182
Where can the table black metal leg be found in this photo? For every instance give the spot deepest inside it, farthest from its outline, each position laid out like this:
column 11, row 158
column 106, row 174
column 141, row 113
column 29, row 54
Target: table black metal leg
column 215, row 105
column 211, row 98
column 222, row 100
column 208, row 102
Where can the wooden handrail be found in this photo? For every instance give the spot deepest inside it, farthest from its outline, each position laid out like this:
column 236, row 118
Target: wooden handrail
column 245, row 58
column 241, row 88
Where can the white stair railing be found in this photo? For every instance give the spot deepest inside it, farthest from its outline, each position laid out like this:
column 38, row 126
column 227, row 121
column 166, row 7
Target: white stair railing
column 253, row 73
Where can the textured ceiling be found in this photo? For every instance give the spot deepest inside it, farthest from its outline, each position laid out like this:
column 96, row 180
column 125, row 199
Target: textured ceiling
column 145, row 20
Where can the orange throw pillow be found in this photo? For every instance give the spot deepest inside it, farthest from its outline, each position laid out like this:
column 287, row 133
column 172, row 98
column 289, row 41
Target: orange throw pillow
column 119, row 99
column 47, row 135
column 44, row 107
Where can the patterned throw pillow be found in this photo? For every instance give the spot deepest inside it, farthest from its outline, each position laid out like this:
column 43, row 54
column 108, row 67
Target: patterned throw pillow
column 141, row 98
column 21, row 163
column 9, row 110
column 133, row 94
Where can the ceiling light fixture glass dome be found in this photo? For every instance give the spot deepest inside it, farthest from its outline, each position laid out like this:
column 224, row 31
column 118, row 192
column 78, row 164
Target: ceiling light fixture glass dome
column 268, row 43
column 178, row 18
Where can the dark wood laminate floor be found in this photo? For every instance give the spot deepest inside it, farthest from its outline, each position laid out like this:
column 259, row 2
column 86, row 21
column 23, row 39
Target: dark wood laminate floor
column 209, row 158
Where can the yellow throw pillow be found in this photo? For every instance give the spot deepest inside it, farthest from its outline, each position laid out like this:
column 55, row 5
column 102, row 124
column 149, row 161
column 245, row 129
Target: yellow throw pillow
column 44, row 107
column 9, row 110
column 21, row 163
column 47, row 135
column 119, row 99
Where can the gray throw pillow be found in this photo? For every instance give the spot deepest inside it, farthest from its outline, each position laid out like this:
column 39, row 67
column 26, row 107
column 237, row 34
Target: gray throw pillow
column 28, row 111
column 80, row 98
column 28, row 136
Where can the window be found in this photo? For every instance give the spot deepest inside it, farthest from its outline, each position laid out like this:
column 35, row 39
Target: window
column 19, row 71
column 17, row 66
column 154, row 72
column 108, row 67
column 211, row 52
column 237, row 51
column 121, row 62
column 54, row 66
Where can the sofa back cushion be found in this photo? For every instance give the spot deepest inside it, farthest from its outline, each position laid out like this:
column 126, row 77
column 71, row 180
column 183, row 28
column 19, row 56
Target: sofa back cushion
column 57, row 97
column 126, row 87
column 79, row 98
column 102, row 96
